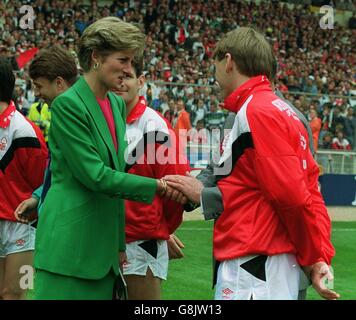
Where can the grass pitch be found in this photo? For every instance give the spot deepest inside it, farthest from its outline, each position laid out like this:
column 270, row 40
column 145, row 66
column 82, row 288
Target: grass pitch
column 191, row 277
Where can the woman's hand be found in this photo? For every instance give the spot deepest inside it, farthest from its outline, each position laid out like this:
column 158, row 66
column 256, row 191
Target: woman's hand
column 164, row 190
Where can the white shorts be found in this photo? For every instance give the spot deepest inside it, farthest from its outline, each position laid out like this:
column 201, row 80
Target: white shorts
column 259, row 278
column 145, row 254
column 16, row 237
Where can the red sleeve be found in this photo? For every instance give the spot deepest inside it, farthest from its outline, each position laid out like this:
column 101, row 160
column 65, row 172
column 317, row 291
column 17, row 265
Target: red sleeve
column 322, row 214
column 285, row 184
column 34, row 161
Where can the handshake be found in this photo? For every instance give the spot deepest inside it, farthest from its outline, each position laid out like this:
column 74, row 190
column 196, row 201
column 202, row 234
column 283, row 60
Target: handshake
column 180, row 188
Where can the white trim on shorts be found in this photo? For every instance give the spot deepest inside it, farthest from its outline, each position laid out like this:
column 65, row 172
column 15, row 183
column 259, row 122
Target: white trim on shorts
column 281, row 281
column 138, row 260
column 16, row 237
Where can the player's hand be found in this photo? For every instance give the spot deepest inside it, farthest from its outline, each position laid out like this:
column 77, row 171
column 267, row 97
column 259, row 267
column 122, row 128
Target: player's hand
column 26, row 206
column 190, row 186
column 169, row 192
column 318, row 273
column 175, row 247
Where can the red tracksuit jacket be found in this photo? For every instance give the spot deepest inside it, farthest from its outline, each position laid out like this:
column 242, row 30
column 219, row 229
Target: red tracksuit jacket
column 23, row 157
column 151, row 144
column 271, row 200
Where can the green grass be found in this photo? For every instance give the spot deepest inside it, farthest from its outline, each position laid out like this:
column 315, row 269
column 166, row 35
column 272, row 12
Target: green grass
column 344, row 262
column 191, row 277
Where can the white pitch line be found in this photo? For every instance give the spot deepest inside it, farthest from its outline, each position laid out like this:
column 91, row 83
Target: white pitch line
column 345, row 229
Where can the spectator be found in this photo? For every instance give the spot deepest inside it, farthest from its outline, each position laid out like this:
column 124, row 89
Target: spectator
column 327, row 141
column 199, row 134
column 41, row 115
column 293, row 85
column 21, row 102
column 158, row 101
column 338, row 121
column 340, row 143
column 215, row 118
column 352, row 22
column 30, row 93
column 325, row 120
column 350, row 126
column 310, row 86
column 315, row 125
column 199, row 112
column 181, row 123
column 164, row 104
column 170, row 113
column 159, row 110
column 181, row 33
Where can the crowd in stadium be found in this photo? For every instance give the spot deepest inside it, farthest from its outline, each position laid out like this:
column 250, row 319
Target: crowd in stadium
column 181, row 36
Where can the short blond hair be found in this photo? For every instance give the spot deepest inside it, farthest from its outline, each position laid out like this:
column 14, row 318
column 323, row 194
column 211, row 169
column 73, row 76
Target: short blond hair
column 250, row 51
column 108, row 35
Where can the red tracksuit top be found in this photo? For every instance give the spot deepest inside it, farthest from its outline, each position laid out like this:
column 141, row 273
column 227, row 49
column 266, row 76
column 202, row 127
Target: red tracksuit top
column 147, row 133
column 271, row 200
column 23, row 157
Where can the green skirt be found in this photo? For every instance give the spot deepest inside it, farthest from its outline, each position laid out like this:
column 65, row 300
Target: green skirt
column 53, row 286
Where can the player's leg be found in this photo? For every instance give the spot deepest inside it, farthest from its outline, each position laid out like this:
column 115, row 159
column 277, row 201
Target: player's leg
column 2, row 272
column 12, row 289
column 146, row 287
column 18, row 247
column 147, row 266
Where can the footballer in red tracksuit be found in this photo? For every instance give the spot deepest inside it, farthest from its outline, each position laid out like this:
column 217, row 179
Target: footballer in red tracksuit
column 23, row 156
column 152, row 152
column 269, row 183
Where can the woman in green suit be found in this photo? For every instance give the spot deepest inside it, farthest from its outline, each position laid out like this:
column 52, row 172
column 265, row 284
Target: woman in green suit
column 81, row 229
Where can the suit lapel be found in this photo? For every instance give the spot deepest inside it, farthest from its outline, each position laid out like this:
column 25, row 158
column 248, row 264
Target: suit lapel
column 120, row 126
column 87, row 96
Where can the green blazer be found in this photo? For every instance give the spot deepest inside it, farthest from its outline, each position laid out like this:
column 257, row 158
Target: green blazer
column 81, row 228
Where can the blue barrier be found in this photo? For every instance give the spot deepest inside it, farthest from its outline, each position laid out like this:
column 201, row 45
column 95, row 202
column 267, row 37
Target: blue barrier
column 338, row 189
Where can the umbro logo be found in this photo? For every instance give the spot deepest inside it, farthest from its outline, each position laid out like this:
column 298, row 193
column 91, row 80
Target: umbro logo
column 20, row 242
column 3, row 143
column 227, row 291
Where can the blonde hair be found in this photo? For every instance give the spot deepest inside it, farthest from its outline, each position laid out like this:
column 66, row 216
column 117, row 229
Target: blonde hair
column 250, row 51
column 108, row 35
